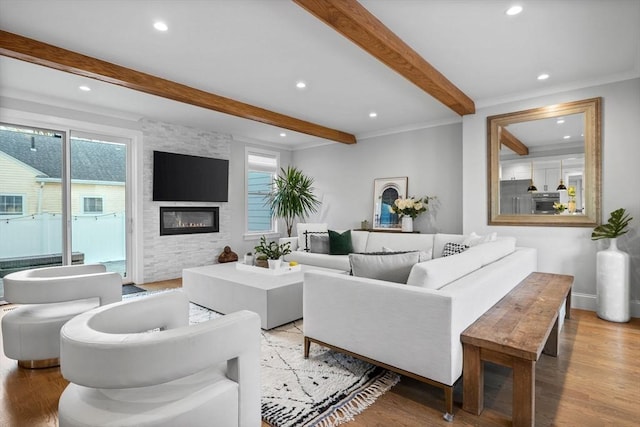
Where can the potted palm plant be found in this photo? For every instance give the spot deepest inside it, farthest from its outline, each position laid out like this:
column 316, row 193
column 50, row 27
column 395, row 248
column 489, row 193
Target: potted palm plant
column 292, row 196
column 612, row 269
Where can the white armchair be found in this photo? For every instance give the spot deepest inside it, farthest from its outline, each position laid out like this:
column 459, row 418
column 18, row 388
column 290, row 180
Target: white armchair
column 139, row 363
column 49, row 297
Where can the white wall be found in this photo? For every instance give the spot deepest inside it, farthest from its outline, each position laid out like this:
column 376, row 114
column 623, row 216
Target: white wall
column 570, row 250
column 344, row 174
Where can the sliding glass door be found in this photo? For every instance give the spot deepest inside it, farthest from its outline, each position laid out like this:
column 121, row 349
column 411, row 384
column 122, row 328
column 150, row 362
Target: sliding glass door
column 98, row 201
column 61, row 202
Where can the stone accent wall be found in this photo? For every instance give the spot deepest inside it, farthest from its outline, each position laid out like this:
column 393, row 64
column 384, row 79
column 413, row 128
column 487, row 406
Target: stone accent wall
column 166, row 256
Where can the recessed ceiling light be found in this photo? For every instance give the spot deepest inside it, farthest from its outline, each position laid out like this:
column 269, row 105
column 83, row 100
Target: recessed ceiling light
column 301, row 84
column 282, row 134
column 514, row 10
column 560, row 121
column 543, row 76
column 566, row 137
column 373, row 114
column 84, row 88
column 160, row 26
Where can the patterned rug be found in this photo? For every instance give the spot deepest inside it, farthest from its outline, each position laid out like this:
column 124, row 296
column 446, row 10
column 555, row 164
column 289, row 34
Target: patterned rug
column 327, row 389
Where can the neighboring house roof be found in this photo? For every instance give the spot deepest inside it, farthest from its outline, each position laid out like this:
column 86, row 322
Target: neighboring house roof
column 91, row 161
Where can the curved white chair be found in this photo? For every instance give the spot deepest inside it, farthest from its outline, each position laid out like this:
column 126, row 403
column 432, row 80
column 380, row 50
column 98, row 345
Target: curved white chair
column 139, row 363
column 51, row 296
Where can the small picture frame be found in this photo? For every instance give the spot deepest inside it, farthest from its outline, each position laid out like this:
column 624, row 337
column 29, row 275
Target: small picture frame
column 385, row 192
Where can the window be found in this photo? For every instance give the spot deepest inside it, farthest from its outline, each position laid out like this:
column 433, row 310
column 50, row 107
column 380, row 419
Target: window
column 261, row 168
column 92, row 205
column 11, row 205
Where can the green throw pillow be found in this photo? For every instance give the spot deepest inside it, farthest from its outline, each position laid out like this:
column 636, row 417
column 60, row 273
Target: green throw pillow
column 340, row 243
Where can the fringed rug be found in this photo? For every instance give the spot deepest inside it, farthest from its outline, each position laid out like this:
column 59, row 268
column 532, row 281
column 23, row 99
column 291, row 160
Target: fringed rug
column 327, row 389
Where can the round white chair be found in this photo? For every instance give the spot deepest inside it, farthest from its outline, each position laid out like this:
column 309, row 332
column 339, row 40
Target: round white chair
column 49, row 297
column 139, row 363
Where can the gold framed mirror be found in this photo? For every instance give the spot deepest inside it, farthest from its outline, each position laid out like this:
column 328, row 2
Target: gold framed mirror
column 544, row 165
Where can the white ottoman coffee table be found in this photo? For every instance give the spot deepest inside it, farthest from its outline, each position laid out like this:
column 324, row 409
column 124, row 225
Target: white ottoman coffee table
column 225, row 288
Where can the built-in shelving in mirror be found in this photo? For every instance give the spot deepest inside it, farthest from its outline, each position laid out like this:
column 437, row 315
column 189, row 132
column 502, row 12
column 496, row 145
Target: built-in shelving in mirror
column 544, row 165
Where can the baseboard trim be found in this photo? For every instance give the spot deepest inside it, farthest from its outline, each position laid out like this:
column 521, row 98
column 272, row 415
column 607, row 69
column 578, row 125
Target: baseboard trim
column 588, row 302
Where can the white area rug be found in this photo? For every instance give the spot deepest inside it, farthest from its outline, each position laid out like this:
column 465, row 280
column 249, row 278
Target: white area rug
column 327, row 389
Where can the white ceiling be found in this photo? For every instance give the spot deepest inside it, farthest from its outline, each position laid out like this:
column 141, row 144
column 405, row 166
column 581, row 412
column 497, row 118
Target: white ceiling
column 255, row 51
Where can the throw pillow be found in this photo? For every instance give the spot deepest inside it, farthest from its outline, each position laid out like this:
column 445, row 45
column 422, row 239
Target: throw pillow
column 307, row 239
column 474, row 239
column 301, row 227
column 389, row 266
column 319, row 244
column 340, row 243
column 453, row 248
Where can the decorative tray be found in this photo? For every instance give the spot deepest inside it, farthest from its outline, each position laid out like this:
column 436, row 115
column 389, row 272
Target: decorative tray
column 284, row 269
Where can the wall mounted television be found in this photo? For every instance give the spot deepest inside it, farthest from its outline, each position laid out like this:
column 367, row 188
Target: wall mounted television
column 185, row 178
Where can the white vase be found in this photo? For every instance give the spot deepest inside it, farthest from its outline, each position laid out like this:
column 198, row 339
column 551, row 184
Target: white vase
column 407, row 224
column 612, row 286
column 248, row 259
column 274, row 264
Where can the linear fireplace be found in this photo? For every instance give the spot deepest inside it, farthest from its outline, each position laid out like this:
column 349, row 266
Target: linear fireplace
column 189, row 220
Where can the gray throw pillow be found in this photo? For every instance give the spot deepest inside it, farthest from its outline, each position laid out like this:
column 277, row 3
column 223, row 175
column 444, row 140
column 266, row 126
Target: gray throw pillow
column 319, row 244
column 392, row 267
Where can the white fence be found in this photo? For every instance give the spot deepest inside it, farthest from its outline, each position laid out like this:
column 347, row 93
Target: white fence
column 101, row 238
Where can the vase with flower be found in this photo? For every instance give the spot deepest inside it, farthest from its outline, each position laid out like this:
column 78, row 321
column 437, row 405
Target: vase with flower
column 571, row 206
column 409, row 209
column 559, row 207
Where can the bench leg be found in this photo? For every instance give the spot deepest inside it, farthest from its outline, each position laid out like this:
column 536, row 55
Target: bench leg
column 524, row 393
column 472, row 380
column 552, row 346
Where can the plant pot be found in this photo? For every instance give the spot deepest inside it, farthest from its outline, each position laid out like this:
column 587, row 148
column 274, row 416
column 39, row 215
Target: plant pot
column 275, row 264
column 407, row 224
column 262, row 263
column 612, row 285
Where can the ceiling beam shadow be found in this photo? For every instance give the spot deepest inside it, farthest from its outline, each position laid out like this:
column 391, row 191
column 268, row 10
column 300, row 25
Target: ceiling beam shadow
column 36, row 52
column 356, row 23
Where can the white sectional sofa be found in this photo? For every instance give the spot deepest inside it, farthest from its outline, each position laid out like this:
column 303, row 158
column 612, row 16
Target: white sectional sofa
column 413, row 328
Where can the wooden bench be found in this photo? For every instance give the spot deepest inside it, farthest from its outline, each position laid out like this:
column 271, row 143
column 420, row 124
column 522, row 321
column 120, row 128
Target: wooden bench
column 514, row 333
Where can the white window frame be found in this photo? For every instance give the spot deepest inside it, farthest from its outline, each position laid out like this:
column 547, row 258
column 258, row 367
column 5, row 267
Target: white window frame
column 254, row 235
column 24, row 199
column 84, row 211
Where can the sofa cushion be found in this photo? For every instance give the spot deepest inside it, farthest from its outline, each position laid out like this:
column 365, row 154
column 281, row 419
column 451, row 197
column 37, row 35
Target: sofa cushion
column 340, row 243
column 319, row 243
column 301, row 227
column 453, row 249
column 389, row 266
column 441, row 271
column 494, row 250
column 399, row 242
column 424, row 255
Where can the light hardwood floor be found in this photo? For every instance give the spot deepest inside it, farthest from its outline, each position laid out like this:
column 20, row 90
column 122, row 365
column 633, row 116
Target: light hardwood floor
column 595, row 381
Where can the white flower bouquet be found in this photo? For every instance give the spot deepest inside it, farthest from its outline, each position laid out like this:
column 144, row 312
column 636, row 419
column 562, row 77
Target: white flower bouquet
column 411, row 206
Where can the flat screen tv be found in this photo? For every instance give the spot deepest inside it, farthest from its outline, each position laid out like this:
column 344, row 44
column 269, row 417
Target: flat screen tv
column 184, row 178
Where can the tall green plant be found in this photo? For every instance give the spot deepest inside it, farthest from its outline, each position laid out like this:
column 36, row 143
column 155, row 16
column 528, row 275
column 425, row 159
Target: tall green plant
column 292, row 196
column 615, row 227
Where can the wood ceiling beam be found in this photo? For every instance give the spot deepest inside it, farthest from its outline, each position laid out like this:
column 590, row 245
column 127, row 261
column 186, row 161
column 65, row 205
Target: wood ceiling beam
column 509, row 140
column 356, row 23
column 36, row 52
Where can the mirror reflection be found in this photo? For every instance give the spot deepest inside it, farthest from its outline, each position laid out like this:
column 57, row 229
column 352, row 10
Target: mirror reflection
column 544, row 165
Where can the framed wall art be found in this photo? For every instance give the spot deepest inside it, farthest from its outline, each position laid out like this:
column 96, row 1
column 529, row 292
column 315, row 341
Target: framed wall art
column 385, row 192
